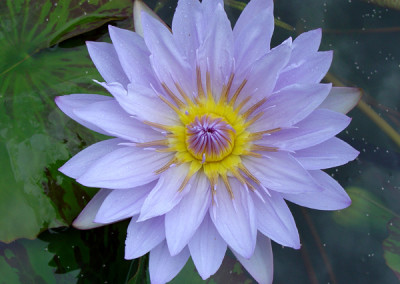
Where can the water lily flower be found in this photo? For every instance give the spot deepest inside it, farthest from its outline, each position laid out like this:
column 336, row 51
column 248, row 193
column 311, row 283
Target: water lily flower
column 213, row 130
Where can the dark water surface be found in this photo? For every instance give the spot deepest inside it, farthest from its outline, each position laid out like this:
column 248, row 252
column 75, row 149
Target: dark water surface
column 42, row 55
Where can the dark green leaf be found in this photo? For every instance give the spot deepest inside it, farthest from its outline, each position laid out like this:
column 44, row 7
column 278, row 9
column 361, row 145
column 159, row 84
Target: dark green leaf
column 391, row 246
column 366, row 211
column 35, row 137
column 393, row 4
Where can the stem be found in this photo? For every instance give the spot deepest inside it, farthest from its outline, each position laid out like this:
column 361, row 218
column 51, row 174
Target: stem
column 129, row 271
column 321, row 249
column 307, row 262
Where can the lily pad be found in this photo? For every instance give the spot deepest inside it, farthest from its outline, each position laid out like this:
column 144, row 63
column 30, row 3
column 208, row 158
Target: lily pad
column 35, row 138
column 393, row 4
column 26, row 261
column 366, row 211
column 391, row 246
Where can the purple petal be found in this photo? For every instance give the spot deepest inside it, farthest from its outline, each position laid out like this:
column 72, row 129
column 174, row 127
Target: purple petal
column 85, row 219
column 281, row 172
column 125, row 168
column 142, row 103
column 331, row 153
column 109, row 116
column 188, row 16
column 166, row 57
column 162, row 266
column 138, row 8
column 207, row 248
column 260, row 265
column 333, row 197
column 342, row 99
column 106, row 60
column 216, row 52
column 275, row 220
column 253, row 31
column 70, row 103
column 291, row 105
column 165, row 195
column 319, row 126
column 143, row 236
column 304, row 47
column 311, row 71
column 263, row 73
column 182, row 221
column 78, row 164
column 235, row 218
column 123, row 203
column 133, row 55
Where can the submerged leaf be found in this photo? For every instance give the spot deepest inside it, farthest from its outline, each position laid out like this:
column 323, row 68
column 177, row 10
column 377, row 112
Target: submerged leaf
column 35, row 139
column 393, row 4
column 391, row 246
column 366, row 211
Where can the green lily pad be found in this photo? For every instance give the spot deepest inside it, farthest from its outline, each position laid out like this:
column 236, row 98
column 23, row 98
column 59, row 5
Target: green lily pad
column 393, row 4
column 26, row 261
column 391, row 246
column 366, row 211
column 35, row 137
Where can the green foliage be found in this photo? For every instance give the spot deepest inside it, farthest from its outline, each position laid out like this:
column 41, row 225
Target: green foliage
column 391, row 246
column 393, row 4
column 26, row 261
column 35, row 138
column 366, row 211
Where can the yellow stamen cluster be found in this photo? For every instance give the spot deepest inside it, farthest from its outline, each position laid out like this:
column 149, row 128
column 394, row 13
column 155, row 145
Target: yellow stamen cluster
column 225, row 161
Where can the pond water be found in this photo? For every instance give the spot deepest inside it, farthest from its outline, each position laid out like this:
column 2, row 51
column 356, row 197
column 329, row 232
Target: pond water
column 42, row 55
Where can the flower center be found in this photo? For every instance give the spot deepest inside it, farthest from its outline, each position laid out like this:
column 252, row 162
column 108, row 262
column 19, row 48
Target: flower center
column 209, row 139
column 212, row 134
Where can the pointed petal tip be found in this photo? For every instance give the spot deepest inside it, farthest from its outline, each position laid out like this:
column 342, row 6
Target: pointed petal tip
column 84, row 224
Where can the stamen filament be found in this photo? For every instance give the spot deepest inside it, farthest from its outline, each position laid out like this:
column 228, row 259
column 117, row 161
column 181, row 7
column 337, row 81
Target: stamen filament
column 174, row 160
column 199, row 83
column 157, row 125
column 179, row 103
column 226, row 89
column 208, row 84
column 183, row 94
column 256, row 147
column 248, row 173
column 227, row 185
column 236, row 94
column 169, row 104
column 254, row 119
column 254, row 108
